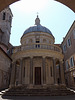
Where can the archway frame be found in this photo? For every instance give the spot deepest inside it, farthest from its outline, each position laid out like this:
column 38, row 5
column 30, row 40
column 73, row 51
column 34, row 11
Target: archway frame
column 68, row 3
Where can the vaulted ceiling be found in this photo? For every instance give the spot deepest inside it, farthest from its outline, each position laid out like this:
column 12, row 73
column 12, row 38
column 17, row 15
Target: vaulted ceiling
column 69, row 3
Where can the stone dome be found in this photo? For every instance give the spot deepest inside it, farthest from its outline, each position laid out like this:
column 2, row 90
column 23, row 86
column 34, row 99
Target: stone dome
column 37, row 28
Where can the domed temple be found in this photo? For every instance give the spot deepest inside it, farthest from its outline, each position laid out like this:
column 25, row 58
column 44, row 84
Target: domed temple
column 37, row 62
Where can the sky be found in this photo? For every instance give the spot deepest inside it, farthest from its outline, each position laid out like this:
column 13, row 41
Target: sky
column 57, row 17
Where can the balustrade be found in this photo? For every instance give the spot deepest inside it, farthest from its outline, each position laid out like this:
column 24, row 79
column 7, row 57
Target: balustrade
column 38, row 46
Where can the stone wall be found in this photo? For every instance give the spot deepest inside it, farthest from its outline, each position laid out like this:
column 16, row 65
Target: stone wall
column 5, row 63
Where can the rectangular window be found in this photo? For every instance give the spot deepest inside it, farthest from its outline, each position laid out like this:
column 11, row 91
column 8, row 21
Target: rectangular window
column 37, row 41
column 64, row 47
column 37, row 46
column 69, row 42
column 51, row 71
column 74, row 79
column 67, row 65
column 24, row 72
column 4, row 15
column 10, row 19
column 71, row 62
column 58, row 66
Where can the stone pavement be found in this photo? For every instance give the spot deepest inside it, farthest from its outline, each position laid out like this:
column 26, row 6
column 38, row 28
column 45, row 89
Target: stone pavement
column 71, row 97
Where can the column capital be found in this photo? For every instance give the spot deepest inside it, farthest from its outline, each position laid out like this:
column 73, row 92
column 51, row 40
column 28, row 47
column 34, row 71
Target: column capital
column 13, row 62
column 61, row 60
column 54, row 58
column 21, row 58
column 43, row 56
column 31, row 57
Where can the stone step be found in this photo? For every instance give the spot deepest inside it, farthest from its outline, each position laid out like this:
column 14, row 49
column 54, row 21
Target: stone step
column 38, row 92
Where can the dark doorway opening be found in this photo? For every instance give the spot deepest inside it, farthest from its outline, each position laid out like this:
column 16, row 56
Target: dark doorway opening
column 37, row 75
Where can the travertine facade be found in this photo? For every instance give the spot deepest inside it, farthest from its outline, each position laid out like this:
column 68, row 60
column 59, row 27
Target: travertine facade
column 38, row 61
column 68, row 46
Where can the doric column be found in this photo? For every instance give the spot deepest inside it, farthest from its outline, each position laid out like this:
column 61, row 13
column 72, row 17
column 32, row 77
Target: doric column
column 62, row 78
column 55, row 71
column 44, row 70
column 23, row 70
column 31, row 70
column 20, row 72
column 13, row 73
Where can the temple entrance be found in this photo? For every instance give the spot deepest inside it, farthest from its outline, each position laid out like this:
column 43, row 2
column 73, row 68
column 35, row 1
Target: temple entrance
column 37, row 75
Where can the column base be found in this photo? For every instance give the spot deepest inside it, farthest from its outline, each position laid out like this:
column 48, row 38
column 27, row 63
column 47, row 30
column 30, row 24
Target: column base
column 63, row 85
column 56, row 84
column 44, row 86
column 19, row 84
column 10, row 86
column 30, row 86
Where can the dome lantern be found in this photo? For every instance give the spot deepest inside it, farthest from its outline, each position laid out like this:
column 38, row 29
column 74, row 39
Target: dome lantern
column 37, row 28
column 37, row 21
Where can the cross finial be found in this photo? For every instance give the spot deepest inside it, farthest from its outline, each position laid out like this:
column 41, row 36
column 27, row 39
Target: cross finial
column 37, row 13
